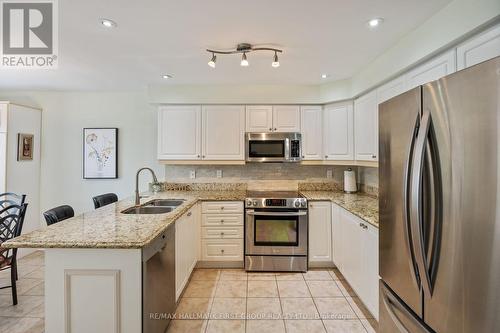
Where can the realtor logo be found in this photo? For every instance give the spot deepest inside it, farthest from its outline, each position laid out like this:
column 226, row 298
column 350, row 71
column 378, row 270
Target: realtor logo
column 29, row 34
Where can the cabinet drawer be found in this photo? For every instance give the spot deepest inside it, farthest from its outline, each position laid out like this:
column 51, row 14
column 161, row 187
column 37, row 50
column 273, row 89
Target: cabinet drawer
column 222, row 232
column 221, row 219
column 222, row 249
column 222, row 207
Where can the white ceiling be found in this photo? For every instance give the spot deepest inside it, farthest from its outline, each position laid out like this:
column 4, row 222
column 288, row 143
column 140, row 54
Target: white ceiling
column 170, row 36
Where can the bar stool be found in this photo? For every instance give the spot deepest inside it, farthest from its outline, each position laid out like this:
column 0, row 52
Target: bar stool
column 104, row 199
column 58, row 214
column 11, row 224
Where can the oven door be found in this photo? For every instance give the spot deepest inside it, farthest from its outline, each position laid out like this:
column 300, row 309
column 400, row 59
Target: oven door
column 267, row 150
column 276, row 232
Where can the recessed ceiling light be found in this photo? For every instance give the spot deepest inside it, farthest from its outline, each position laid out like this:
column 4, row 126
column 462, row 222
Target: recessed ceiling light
column 108, row 23
column 167, row 76
column 373, row 23
column 324, row 76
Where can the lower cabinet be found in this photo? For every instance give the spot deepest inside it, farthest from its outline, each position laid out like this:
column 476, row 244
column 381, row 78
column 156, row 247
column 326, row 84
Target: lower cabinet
column 355, row 253
column 187, row 247
column 320, row 226
column 222, row 231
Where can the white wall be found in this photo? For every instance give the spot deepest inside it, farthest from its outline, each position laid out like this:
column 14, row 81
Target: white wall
column 64, row 116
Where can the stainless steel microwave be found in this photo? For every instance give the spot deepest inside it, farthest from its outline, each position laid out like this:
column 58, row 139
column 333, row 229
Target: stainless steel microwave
column 273, row 147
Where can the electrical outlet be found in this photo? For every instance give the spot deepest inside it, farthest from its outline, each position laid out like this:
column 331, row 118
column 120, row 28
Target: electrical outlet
column 329, row 173
column 219, row 173
column 192, row 174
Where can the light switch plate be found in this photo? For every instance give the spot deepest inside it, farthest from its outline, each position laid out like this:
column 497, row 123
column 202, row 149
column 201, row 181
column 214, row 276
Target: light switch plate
column 192, row 174
column 329, row 173
column 219, row 173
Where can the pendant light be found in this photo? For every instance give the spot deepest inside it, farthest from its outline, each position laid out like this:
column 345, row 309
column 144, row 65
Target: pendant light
column 211, row 63
column 276, row 62
column 244, row 48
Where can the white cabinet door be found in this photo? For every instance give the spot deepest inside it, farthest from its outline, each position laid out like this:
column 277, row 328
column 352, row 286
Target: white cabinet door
column 338, row 132
column 391, row 89
column 366, row 127
column 434, row 69
column 223, row 132
column 370, row 265
column 259, row 118
column 286, row 118
column 337, row 237
column 181, row 257
column 479, row 48
column 353, row 249
column 179, row 132
column 311, row 118
column 320, row 232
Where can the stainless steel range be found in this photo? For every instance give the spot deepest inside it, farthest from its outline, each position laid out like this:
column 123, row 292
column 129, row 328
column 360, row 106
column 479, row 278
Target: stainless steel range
column 276, row 232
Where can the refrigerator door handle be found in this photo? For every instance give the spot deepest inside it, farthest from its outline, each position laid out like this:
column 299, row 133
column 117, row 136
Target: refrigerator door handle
column 416, row 204
column 390, row 303
column 406, row 210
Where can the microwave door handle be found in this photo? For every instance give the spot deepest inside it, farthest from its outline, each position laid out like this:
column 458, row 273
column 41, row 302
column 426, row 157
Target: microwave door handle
column 253, row 213
column 287, row 149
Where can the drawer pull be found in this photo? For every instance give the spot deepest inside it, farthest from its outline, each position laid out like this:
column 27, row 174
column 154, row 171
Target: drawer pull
column 222, row 208
column 189, row 214
column 222, row 251
column 222, row 234
column 221, row 221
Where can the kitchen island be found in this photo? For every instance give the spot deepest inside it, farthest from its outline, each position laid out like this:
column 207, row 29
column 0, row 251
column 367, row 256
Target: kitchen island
column 98, row 258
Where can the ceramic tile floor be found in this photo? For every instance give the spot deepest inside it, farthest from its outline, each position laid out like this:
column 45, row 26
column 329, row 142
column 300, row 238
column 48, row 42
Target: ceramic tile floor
column 224, row 300
column 28, row 315
column 229, row 300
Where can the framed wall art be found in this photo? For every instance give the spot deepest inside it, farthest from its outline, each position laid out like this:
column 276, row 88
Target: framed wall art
column 24, row 147
column 100, row 153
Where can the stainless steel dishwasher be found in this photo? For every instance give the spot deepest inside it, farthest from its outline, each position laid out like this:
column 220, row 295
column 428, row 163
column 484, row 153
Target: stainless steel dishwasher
column 158, row 282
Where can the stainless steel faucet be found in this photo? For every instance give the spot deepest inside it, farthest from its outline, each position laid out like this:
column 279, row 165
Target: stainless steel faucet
column 155, row 181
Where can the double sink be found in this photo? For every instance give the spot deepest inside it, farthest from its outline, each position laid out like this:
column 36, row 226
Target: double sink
column 156, row 206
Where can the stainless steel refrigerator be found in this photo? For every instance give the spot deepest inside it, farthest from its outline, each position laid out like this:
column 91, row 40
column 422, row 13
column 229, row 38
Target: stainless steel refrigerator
column 439, row 175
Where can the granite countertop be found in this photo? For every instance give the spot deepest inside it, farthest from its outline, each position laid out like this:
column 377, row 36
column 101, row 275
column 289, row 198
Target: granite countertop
column 361, row 205
column 107, row 227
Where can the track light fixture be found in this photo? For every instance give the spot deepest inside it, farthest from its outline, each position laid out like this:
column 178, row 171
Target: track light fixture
column 245, row 48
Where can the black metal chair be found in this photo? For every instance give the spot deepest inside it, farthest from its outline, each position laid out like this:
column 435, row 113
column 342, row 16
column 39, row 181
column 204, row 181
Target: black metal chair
column 11, row 224
column 104, row 199
column 58, row 214
column 9, row 199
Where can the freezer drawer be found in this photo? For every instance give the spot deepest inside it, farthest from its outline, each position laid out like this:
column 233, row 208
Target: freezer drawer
column 395, row 316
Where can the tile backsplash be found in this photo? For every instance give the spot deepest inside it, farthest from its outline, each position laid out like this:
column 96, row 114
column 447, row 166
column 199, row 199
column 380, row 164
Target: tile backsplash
column 273, row 175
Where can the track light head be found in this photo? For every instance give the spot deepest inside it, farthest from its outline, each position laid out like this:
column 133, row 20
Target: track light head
column 244, row 61
column 276, row 62
column 211, row 63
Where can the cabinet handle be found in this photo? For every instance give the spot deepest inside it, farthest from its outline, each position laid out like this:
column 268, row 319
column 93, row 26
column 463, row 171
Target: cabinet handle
column 203, row 156
column 222, row 208
column 189, row 214
column 374, row 156
column 270, row 128
column 222, row 234
column 275, row 129
column 198, row 156
column 222, row 251
column 303, row 156
column 221, row 221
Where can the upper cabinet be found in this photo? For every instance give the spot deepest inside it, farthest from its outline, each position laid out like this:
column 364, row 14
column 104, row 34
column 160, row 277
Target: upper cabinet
column 286, row 118
column 432, row 70
column 391, row 89
column 311, row 119
column 259, row 118
column 223, row 132
column 179, row 132
column 479, row 48
column 366, row 127
column 278, row 118
column 214, row 132
column 338, row 132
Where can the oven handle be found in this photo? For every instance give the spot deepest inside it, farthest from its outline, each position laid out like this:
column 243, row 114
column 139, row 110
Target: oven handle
column 276, row 213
